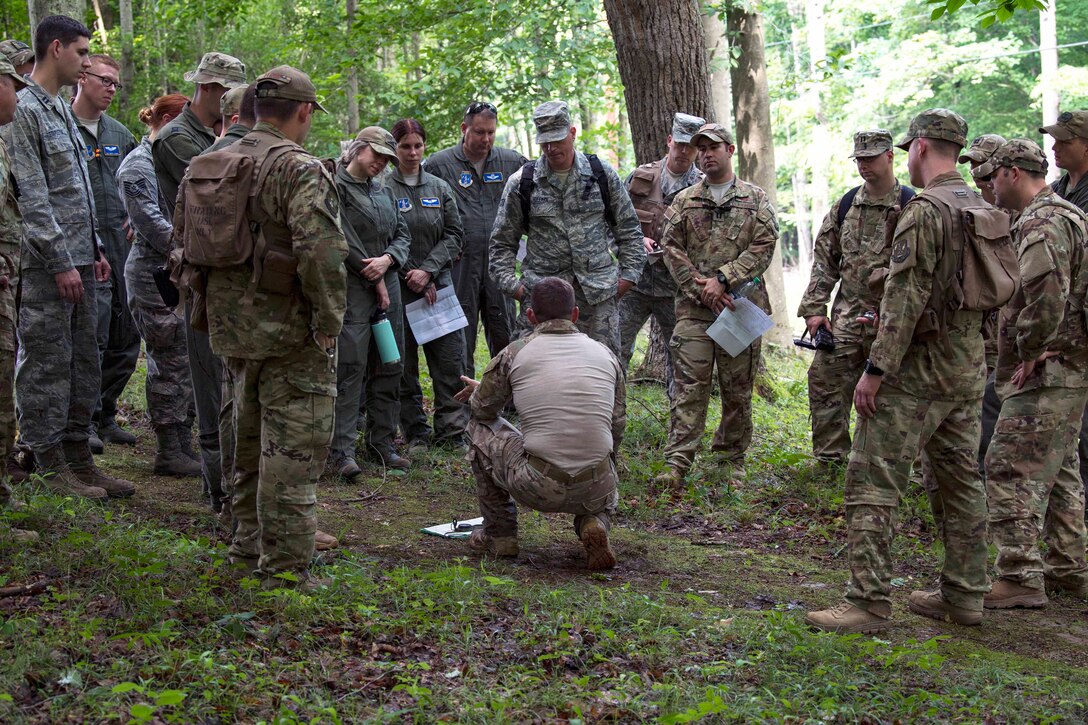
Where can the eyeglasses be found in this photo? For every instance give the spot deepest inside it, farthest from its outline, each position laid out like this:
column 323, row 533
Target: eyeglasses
column 107, row 82
column 479, row 107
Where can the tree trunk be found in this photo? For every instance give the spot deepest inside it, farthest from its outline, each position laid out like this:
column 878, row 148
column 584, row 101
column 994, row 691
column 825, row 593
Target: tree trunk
column 128, row 63
column 1048, row 41
column 100, row 25
column 717, row 53
column 662, row 64
column 755, row 142
column 820, row 148
column 352, row 89
column 39, row 9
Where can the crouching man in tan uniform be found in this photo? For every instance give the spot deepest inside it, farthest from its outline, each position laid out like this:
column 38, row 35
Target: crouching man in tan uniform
column 569, row 392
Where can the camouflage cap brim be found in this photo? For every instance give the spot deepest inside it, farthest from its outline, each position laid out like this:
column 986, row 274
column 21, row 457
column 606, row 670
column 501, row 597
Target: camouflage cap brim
column 203, row 76
column 975, row 154
column 552, row 136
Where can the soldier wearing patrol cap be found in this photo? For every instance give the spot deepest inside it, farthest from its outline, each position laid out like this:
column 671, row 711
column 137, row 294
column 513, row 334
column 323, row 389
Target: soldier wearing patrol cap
column 652, row 188
column 239, row 115
column 1032, row 469
column 107, row 142
column 19, row 54
column 917, row 393
column 576, row 209
column 193, row 131
column 980, row 151
column 719, row 233
column 1071, row 155
column 849, row 248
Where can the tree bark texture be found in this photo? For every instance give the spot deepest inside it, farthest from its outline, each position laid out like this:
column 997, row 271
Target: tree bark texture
column 39, row 9
column 352, row 89
column 663, row 66
column 128, row 69
column 755, row 142
column 717, row 52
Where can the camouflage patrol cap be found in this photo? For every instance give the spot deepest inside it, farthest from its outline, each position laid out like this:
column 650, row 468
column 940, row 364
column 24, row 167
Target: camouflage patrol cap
column 7, row 69
column 231, row 102
column 17, row 52
column 289, row 83
column 714, row 132
column 226, row 70
column 1021, row 153
column 1070, row 125
column 871, row 143
column 939, row 123
column 552, row 121
column 983, row 171
column 684, row 126
column 982, row 148
column 381, row 141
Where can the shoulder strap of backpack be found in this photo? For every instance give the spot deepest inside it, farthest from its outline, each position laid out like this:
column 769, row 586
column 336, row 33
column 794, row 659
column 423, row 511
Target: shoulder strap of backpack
column 525, row 190
column 845, row 203
column 602, row 183
column 905, row 194
column 265, row 165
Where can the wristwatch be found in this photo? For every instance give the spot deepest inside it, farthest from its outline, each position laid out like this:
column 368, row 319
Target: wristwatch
column 871, row 369
column 724, row 282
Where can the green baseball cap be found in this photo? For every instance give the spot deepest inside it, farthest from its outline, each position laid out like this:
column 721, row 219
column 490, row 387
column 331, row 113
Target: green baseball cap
column 939, row 123
column 982, row 148
column 714, row 132
column 685, row 126
column 1070, row 125
column 871, row 143
column 1021, row 153
column 283, row 81
column 552, row 121
column 381, row 141
column 7, row 69
column 17, row 52
column 226, row 70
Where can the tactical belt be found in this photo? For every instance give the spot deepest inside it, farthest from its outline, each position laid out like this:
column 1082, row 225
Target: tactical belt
column 558, row 474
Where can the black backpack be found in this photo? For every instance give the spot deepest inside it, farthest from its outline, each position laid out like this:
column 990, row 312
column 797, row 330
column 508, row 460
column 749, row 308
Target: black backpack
column 905, row 194
column 525, row 188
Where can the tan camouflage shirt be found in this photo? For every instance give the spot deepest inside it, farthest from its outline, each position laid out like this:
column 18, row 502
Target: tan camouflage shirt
column 925, row 369
column 701, row 238
column 849, row 257
column 1046, row 314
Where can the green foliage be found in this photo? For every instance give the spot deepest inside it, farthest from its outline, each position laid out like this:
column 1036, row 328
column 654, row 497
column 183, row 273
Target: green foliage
column 990, row 12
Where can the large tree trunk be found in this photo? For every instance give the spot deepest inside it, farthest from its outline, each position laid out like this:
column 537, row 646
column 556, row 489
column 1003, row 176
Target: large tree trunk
column 717, row 52
column 662, row 64
column 755, row 142
column 39, row 9
column 1048, row 56
column 352, row 89
column 128, row 68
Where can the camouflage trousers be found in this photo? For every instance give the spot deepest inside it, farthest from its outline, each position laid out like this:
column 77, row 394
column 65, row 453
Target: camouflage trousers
column 885, row 447
column 1034, row 488
column 8, row 428
column 167, row 388
column 832, row 377
column 284, row 417
column 600, row 321
column 504, row 476
column 635, row 308
column 694, row 357
column 57, row 376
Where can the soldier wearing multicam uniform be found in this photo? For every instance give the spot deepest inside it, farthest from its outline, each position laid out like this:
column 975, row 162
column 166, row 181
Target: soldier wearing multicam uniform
column 1032, row 468
column 281, row 348
column 652, row 188
column 58, row 376
column 19, row 54
column 568, row 230
column 719, row 234
column 930, row 399
column 848, row 256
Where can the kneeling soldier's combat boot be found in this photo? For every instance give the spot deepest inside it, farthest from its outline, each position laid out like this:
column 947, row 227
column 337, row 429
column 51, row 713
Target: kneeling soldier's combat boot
column 501, row 546
column 60, row 479
column 935, row 606
column 847, row 619
column 169, row 459
column 1007, row 594
column 671, row 479
column 594, row 538
column 82, row 465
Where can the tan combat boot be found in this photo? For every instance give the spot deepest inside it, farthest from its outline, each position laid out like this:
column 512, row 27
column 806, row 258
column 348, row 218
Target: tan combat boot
column 60, row 479
column 671, row 479
column 83, row 467
column 935, row 606
column 501, row 546
column 847, row 619
column 1008, row 594
column 594, row 538
column 324, row 542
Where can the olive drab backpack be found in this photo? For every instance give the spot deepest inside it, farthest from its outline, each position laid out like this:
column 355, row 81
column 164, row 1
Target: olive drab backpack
column 979, row 269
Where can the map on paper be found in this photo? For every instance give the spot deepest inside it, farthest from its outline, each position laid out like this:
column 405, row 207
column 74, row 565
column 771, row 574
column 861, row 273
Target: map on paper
column 736, row 329
column 430, row 322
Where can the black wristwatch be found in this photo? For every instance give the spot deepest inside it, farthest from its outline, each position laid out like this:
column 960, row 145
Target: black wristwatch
column 871, row 369
column 723, row 281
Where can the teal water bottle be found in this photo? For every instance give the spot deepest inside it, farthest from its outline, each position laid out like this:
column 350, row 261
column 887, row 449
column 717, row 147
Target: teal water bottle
column 382, row 330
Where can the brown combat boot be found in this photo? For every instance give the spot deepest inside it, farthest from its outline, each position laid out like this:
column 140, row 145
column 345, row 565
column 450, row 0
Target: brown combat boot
column 14, row 468
column 169, row 458
column 324, row 542
column 82, row 464
column 935, row 606
column 847, row 619
column 60, row 479
column 594, row 538
column 501, row 546
column 671, row 479
column 1007, row 594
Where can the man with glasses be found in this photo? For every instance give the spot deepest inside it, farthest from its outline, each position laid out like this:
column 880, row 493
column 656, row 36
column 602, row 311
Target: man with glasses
column 477, row 171
column 105, row 143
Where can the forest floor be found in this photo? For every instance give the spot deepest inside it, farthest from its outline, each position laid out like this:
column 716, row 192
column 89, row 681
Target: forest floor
column 133, row 616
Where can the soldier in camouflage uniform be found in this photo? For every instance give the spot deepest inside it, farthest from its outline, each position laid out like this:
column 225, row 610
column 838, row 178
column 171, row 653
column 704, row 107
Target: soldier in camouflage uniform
column 281, row 349
column 652, row 188
column 930, row 399
column 19, row 54
column 719, row 234
column 568, row 230
column 1032, row 472
column 176, row 144
column 848, row 256
column 107, row 142
column 239, row 115
column 570, row 395
column 167, row 387
column 1071, row 154
column 57, row 377
column 11, row 233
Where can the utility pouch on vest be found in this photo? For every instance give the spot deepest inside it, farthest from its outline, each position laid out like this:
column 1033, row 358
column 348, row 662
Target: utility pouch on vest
column 991, row 270
column 278, row 273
